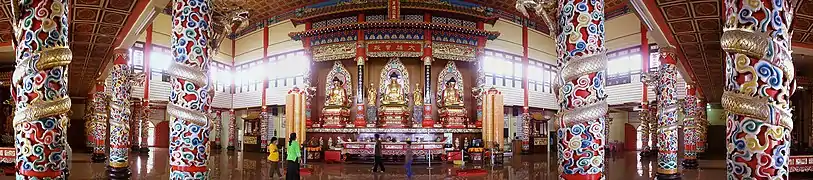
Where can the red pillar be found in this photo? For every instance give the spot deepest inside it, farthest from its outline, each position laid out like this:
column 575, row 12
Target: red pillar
column 266, row 135
column 361, row 58
column 146, row 100
column 644, row 113
column 526, row 124
column 232, row 119
column 428, row 121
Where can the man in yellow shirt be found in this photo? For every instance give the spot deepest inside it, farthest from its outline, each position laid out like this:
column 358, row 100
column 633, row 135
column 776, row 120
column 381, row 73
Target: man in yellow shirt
column 273, row 157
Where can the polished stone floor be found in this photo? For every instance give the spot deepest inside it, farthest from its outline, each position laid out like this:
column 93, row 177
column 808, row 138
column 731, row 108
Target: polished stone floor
column 239, row 165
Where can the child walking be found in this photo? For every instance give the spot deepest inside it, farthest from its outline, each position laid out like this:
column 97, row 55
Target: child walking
column 408, row 158
column 273, row 157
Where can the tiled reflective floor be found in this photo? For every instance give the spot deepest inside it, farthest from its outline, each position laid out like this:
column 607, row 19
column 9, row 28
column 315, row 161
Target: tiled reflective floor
column 238, row 165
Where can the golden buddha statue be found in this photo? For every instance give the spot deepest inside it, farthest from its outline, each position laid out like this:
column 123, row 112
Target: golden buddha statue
column 393, row 94
column 451, row 111
column 336, row 112
column 337, row 95
column 393, row 110
column 417, row 95
column 451, row 95
column 371, row 95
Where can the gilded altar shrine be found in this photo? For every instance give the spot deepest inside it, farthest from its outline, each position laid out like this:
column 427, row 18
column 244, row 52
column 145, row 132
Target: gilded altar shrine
column 406, row 77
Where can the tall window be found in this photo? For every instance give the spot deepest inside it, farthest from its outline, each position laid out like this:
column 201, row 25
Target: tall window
column 503, row 69
column 287, row 69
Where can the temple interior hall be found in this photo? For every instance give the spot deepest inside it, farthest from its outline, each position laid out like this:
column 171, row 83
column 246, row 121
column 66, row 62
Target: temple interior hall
column 431, row 89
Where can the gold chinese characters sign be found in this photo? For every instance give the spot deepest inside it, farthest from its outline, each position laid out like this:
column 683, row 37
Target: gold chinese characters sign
column 334, row 51
column 394, row 48
column 453, row 51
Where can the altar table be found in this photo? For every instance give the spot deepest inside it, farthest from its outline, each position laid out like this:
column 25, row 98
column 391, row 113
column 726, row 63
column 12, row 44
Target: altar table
column 394, row 148
column 801, row 163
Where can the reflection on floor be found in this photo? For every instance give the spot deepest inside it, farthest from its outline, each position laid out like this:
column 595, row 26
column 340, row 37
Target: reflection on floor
column 239, row 165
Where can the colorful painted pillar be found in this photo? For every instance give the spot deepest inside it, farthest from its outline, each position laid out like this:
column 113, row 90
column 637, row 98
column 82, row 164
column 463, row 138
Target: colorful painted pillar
column 216, row 129
column 232, row 132
column 703, row 124
column 583, row 62
column 89, row 123
column 42, row 53
column 189, row 96
column 643, row 115
column 118, row 166
column 667, row 116
column 100, row 125
column 690, row 129
column 760, row 79
column 134, row 122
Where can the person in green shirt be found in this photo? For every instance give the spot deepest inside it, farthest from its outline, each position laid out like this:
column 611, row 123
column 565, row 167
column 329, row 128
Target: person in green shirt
column 293, row 155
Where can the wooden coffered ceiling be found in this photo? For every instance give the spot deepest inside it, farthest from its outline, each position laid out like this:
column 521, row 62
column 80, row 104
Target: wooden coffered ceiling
column 695, row 27
column 95, row 28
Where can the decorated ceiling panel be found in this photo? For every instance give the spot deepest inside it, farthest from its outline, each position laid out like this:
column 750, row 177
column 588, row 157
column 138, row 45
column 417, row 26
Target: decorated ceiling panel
column 696, row 28
column 95, row 26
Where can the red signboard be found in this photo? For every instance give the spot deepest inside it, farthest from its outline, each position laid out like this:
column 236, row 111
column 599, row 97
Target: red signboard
column 394, row 47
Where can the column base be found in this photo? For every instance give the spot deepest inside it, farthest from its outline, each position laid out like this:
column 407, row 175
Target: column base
column 690, row 164
column 118, row 173
column 144, row 150
column 98, row 158
column 230, row 148
column 660, row 176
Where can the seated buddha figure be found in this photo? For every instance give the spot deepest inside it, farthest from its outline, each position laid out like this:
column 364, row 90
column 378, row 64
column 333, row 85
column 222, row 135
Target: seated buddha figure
column 337, row 96
column 393, row 111
column 451, row 111
column 336, row 112
column 451, row 95
column 393, row 92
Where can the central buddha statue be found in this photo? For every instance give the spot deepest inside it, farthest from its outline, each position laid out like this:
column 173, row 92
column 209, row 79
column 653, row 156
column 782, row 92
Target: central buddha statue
column 394, row 93
column 393, row 111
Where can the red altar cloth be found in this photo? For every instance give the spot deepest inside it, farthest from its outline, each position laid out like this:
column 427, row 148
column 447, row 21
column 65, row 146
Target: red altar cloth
column 333, row 156
column 394, row 148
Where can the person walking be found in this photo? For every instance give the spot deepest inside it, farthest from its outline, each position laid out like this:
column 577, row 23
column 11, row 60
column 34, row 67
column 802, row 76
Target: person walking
column 273, row 158
column 293, row 155
column 377, row 161
column 408, row 159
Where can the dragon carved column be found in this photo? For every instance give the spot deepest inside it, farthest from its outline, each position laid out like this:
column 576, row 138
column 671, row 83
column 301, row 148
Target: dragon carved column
column 582, row 60
column 760, row 79
column 190, row 96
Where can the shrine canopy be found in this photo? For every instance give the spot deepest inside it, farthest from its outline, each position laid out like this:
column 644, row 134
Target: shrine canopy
column 394, row 28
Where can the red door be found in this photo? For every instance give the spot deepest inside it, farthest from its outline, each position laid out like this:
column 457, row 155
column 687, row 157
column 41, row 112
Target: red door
column 630, row 137
column 162, row 135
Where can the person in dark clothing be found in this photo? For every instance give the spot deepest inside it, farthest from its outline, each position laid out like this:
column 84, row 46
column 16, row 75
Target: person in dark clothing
column 377, row 162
